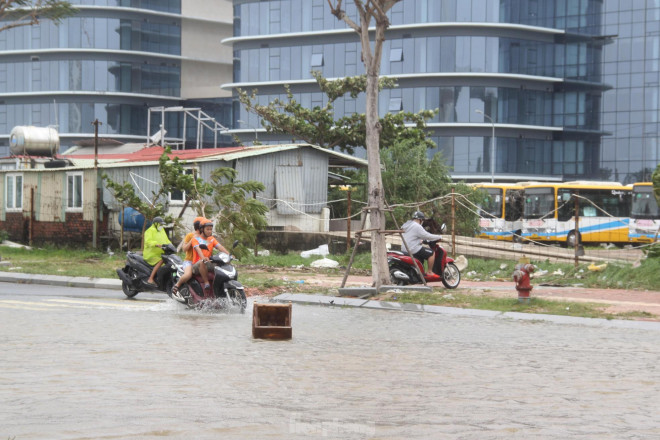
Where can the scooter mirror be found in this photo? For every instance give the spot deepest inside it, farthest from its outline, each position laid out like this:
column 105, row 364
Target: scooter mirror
column 203, row 246
column 235, row 243
column 443, row 228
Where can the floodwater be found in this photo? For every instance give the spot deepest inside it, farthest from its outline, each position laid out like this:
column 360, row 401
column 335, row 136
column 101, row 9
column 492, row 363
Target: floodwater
column 94, row 368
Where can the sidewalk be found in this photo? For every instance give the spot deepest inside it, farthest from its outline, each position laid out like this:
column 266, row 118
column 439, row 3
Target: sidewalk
column 331, row 301
column 59, row 280
column 619, row 300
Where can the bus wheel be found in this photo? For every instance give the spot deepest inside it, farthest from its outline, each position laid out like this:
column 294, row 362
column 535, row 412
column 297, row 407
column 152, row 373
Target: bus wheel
column 570, row 239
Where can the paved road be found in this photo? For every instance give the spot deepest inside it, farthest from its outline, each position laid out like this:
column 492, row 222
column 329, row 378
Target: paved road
column 620, row 300
column 85, row 363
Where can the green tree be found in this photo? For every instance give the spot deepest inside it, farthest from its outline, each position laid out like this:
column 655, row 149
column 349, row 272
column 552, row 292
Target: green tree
column 654, row 250
column 239, row 216
column 410, row 179
column 655, row 178
column 16, row 13
column 372, row 52
column 173, row 177
column 318, row 125
column 409, row 176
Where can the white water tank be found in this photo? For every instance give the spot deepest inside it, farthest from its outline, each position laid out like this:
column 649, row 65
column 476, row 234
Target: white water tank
column 37, row 141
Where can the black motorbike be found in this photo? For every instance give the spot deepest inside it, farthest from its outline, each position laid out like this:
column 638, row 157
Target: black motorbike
column 135, row 274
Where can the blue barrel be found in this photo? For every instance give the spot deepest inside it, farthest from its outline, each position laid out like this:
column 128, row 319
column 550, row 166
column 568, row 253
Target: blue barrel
column 131, row 220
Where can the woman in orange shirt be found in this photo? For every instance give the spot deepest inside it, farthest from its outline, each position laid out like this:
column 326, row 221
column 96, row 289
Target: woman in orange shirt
column 188, row 248
column 201, row 256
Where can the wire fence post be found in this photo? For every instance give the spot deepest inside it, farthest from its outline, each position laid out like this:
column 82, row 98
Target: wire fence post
column 348, row 222
column 256, row 239
column 576, row 239
column 31, row 225
column 453, row 223
column 121, row 228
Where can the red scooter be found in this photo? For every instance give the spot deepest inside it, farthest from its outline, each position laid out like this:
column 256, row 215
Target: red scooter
column 225, row 292
column 402, row 271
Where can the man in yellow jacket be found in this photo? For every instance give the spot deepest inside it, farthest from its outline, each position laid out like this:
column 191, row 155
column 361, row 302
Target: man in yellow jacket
column 154, row 239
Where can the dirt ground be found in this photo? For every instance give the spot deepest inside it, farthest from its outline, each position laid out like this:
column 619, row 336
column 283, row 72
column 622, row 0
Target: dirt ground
column 618, row 300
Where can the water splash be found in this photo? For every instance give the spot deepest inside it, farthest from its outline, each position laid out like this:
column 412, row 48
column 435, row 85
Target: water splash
column 218, row 305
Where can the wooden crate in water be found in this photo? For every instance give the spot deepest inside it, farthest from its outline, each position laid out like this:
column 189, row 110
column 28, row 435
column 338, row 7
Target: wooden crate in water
column 271, row 321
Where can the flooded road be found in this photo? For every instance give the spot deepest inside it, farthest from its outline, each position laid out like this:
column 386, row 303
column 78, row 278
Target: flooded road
column 90, row 365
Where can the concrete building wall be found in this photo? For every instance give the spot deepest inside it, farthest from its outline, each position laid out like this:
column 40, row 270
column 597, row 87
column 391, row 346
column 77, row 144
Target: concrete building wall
column 206, row 64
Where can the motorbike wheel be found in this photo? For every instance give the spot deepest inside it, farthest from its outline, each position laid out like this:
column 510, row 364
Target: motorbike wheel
column 394, row 280
column 168, row 287
column 183, row 291
column 130, row 293
column 238, row 298
column 451, row 276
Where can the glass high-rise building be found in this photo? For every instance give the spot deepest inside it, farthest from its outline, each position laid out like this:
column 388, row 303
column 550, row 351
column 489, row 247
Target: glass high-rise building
column 631, row 109
column 112, row 61
column 532, row 71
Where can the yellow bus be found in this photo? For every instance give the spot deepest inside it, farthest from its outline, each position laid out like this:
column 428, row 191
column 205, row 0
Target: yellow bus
column 603, row 211
column 644, row 214
column 500, row 215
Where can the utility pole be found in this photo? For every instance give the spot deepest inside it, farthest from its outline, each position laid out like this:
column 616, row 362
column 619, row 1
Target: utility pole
column 96, row 124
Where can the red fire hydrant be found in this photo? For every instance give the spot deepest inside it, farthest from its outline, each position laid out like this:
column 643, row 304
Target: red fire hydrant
column 521, row 277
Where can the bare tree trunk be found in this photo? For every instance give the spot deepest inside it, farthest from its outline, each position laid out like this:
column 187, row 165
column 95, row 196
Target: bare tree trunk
column 379, row 270
column 376, row 9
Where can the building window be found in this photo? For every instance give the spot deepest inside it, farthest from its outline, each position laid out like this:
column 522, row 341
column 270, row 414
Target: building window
column 396, row 54
column 395, row 105
column 317, row 60
column 14, row 192
column 178, row 197
column 74, row 191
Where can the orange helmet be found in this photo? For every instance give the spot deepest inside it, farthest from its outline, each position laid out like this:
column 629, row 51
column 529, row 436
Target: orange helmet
column 198, row 221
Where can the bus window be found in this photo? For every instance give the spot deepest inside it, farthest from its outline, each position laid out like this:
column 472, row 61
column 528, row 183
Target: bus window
column 539, row 202
column 514, row 202
column 644, row 205
column 589, row 211
column 492, row 205
column 566, row 209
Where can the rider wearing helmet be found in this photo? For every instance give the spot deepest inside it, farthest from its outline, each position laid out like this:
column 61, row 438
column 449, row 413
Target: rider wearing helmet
column 154, row 239
column 186, row 245
column 414, row 234
column 201, row 264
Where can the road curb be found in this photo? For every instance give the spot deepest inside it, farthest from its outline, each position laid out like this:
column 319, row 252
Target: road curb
column 338, row 301
column 333, row 301
column 59, row 280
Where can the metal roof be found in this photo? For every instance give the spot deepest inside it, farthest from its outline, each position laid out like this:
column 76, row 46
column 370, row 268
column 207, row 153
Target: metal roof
column 149, row 155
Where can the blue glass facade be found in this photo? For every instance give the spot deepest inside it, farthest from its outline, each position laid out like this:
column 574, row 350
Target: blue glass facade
column 533, row 67
column 110, row 62
column 631, row 109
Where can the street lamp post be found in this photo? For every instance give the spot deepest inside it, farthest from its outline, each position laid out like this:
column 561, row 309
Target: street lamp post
column 492, row 146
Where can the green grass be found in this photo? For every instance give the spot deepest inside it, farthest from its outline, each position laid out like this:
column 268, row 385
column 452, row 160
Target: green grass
column 484, row 302
column 614, row 276
column 83, row 262
column 80, row 262
column 49, row 260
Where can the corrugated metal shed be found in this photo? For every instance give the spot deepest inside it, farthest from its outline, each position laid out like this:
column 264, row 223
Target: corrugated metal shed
column 298, row 176
column 294, row 176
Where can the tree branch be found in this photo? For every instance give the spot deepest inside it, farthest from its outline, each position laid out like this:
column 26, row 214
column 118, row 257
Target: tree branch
column 341, row 15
